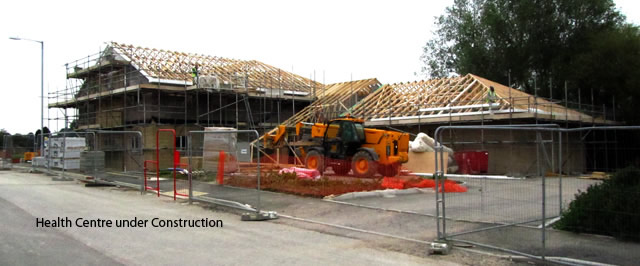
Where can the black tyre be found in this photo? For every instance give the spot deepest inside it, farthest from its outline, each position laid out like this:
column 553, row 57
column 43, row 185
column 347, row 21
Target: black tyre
column 363, row 164
column 314, row 160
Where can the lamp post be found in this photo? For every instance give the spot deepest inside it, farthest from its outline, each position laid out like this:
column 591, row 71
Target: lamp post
column 41, row 90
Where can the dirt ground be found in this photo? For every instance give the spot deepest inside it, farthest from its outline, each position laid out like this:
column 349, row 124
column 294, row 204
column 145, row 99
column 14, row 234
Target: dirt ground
column 289, row 183
column 330, row 184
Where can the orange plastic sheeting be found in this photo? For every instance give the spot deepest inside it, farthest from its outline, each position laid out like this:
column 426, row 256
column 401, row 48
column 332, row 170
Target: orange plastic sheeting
column 221, row 168
column 399, row 183
column 393, row 183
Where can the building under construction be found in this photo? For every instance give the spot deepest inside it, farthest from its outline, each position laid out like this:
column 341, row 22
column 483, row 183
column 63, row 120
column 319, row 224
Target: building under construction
column 132, row 88
column 423, row 106
column 124, row 87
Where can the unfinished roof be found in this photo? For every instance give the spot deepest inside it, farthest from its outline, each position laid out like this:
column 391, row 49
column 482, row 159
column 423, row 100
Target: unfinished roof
column 336, row 100
column 457, row 99
column 171, row 67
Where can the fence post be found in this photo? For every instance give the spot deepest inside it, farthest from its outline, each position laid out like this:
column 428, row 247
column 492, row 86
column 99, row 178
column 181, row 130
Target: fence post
column 259, row 203
column 62, row 160
column 539, row 173
column 437, row 185
column 189, row 154
column 444, row 210
column 560, row 173
column 49, row 154
column 95, row 165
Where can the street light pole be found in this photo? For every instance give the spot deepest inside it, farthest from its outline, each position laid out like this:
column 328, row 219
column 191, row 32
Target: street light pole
column 41, row 90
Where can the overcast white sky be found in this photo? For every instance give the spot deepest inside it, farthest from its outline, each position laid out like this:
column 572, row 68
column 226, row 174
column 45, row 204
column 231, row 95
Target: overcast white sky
column 342, row 39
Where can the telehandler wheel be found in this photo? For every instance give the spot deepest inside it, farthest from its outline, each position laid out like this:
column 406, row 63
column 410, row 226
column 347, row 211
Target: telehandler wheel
column 315, row 160
column 363, row 164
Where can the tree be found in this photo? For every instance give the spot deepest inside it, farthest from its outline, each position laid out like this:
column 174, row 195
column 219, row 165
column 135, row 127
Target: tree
column 37, row 136
column 3, row 132
column 540, row 44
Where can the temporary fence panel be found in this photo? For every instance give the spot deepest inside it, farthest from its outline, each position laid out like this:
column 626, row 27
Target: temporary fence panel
column 600, row 202
column 222, row 169
column 166, row 164
column 18, row 148
column 517, row 214
column 94, row 156
column 115, row 157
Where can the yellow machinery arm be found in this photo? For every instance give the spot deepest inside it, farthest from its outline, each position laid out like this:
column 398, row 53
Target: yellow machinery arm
column 274, row 137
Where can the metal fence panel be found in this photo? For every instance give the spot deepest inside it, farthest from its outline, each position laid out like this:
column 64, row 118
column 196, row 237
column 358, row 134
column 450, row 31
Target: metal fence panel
column 121, row 154
column 224, row 167
column 517, row 214
column 98, row 156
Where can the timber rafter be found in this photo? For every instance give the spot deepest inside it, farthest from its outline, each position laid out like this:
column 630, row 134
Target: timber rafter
column 178, row 66
column 463, row 96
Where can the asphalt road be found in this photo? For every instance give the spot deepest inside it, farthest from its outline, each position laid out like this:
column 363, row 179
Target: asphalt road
column 25, row 197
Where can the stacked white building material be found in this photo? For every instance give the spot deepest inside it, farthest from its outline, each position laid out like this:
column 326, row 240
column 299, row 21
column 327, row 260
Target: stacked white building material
column 64, row 152
column 5, row 164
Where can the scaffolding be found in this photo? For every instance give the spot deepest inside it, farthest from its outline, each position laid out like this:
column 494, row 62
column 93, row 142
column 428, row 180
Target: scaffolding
column 124, row 86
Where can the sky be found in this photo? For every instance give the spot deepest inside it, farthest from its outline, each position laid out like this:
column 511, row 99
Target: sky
column 337, row 40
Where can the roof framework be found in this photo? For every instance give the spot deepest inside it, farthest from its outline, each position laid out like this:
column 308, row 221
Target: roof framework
column 458, row 98
column 173, row 67
column 337, row 100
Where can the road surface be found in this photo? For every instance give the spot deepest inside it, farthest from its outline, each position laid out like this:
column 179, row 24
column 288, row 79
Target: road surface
column 24, row 198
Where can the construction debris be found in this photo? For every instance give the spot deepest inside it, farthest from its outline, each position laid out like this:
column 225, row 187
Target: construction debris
column 419, row 144
column 259, row 216
column 302, row 173
column 596, row 175
column 423, row 143
column 405, row 183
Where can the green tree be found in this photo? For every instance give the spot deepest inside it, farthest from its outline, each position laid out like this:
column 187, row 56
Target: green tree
column 541, row 43
column 3, row 132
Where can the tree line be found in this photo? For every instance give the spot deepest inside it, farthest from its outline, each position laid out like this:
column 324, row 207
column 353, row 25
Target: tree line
column 586, row 45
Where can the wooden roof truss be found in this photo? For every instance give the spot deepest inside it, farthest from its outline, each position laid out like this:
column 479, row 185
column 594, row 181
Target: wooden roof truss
column 462, row 96
column 178, row 66
column 337, row 100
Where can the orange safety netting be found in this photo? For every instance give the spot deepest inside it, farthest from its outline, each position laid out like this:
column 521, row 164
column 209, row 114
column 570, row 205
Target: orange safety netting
column 401, row 183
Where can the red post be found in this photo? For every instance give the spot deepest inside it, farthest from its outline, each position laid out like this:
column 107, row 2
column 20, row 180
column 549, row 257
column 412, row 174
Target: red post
column 158, row 159
column 176, row 162
column 221, row 168
column 144, row 175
